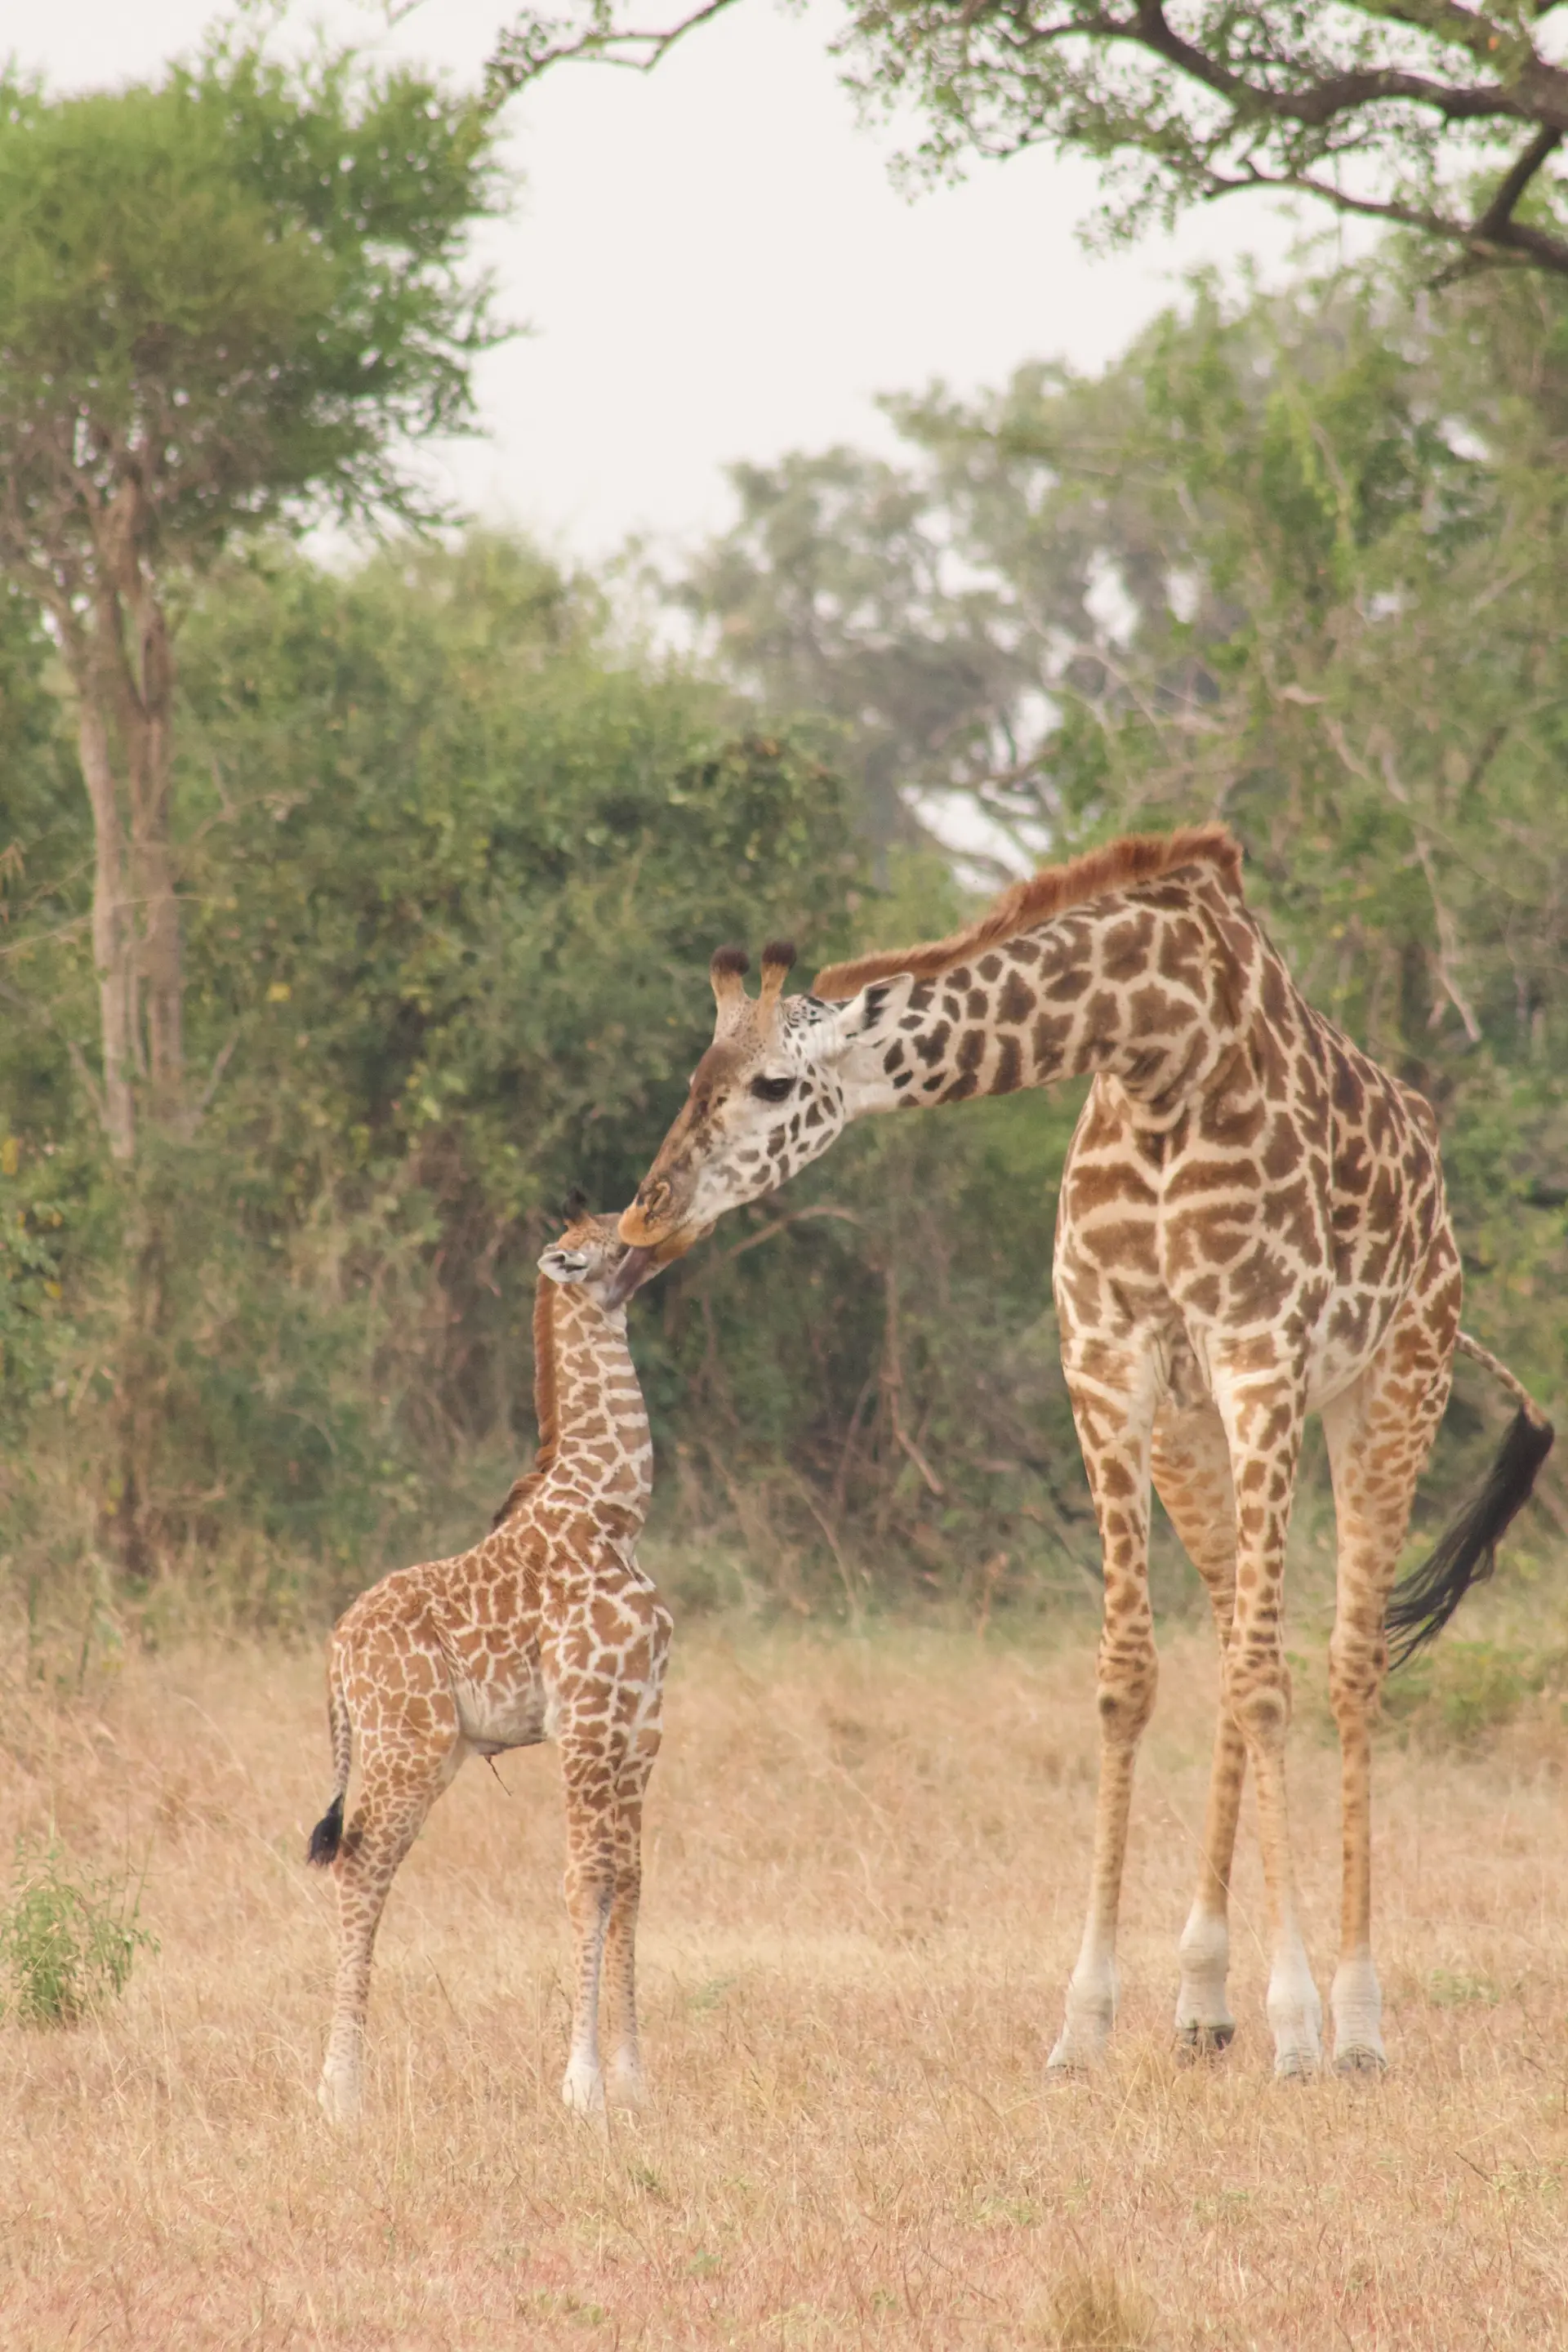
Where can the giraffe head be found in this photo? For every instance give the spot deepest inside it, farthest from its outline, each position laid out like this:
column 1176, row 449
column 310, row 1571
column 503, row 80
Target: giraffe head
column 765, row 1099
column 590, row 1256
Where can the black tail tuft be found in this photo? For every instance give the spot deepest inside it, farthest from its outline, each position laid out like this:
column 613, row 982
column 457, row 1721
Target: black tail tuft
column 327, row 1835
column 1422, row 1603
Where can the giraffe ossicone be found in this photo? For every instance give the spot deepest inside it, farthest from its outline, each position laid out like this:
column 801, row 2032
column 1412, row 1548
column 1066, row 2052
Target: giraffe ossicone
column 1251, row 1227
column 548, row 1629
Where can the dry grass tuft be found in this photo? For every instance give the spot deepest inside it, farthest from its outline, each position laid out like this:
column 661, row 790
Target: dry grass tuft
column 866, row 1863
column 1099, row 2310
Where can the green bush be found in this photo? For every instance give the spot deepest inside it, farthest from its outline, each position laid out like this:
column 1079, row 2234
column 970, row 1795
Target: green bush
column 68, row 1936
column 1456, row 1693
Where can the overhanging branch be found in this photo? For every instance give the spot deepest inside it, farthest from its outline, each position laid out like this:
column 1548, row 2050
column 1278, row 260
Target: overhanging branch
column 535, row 43
column 1511, row 188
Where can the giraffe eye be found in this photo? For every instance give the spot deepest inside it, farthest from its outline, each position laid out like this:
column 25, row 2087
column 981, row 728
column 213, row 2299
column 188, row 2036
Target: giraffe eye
column 773, row 1091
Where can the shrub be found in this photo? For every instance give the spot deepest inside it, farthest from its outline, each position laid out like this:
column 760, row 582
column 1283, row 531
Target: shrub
column 1461, row 1692
column 68, row 1937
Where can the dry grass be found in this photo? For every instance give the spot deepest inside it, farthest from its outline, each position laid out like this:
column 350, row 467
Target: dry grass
column 866, row 1863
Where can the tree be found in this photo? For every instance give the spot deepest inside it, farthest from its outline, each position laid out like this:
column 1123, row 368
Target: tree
column 833, row 594
column 226, row 300
column 1444, row 117
column 453, row 870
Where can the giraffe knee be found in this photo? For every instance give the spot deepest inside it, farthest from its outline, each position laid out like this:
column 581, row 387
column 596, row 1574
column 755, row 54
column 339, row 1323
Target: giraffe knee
column 1257, row 1694
column 1357, row 1663
column 589, row 1885
column 1125, row 1693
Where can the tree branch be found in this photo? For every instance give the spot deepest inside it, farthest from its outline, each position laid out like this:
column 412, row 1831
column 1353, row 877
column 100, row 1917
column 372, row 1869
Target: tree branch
column 534, row 44
column 1499, row 214
column 1336, row 94
column 779, row 1226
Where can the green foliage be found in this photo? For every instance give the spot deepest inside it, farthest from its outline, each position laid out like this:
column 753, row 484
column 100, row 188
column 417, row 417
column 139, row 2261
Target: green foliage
column 451, row 863
column 1446, row 119
column 1443, row 119
column 32, row 1243
column 831, row 595
column 1457, row 1693
column 1460, row 1989
column 240, row 288
column 454, row 872
column 68, row 1936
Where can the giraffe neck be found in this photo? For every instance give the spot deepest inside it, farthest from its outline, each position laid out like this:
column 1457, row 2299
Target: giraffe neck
column 1151, row 986
column 593, row 1434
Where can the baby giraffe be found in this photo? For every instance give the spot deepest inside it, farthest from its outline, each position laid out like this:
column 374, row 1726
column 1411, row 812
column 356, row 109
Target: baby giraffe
column 547, row 1629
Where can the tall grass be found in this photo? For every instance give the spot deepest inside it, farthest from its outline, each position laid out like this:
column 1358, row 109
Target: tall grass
column 867, row 1859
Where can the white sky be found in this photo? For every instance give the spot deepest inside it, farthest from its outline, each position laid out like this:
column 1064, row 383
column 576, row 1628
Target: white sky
column 713, row 261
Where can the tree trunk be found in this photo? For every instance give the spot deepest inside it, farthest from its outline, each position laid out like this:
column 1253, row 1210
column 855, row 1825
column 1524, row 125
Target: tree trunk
column 125, row 732
column 113, row 929
column 124, row 705
column 162, row 961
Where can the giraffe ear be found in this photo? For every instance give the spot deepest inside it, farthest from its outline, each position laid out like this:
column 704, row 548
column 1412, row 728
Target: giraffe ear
column 778, row 958
column 728, row 973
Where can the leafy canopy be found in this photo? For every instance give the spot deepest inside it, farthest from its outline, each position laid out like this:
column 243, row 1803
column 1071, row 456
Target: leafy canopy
column 1446, row 117
column 236, row 294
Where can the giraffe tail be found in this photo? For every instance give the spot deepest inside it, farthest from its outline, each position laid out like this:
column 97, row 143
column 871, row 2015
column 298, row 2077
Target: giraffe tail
column 1421, row 1602
column 328, row 1833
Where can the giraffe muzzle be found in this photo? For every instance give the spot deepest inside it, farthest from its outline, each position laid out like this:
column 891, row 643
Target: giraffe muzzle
column 634, row 1270
column 648, row 1221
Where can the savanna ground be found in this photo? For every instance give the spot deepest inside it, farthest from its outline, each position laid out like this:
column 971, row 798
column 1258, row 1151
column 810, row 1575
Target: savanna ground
column 866, row 1862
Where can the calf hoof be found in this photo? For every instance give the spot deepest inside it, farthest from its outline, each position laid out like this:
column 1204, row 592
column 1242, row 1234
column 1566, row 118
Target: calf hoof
column 1298, row 2067
column 1360, row 2062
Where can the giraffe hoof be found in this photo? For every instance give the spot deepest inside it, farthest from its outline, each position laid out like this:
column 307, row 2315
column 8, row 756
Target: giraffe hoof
column 583, row 2093
column 338, row 2096
column 1066, row 2065
column 1194, row 2043
column 1361, row 2062
column 1296, row 2066
column 626, row 2088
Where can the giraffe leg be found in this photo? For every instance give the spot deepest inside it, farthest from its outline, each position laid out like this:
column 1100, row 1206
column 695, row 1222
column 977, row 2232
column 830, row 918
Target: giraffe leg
column 1263, row 1414
column 625, row 2074
column 401, row 1774
column 1112, row 1395
column 589, row 1768
column 1192, row 1475
column 1379, row 1434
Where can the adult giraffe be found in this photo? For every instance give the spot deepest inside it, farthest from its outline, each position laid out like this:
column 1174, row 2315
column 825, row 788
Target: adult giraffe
column 1251, row 1227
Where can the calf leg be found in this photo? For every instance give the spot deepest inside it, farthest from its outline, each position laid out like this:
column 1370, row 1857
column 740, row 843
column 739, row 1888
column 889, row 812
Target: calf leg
column 625, row 2076
column 589, row 1768
column 401, row 1779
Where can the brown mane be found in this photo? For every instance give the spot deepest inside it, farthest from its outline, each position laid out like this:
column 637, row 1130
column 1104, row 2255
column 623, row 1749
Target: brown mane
column 544, row 1412
column 1136, row 857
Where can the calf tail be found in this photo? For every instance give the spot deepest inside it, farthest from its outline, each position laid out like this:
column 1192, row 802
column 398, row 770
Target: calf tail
column 328, row 1833
column 1422, row 1603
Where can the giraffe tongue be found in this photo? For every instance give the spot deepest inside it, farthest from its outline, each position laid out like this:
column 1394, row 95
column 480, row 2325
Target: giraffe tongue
column 633, row 1270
